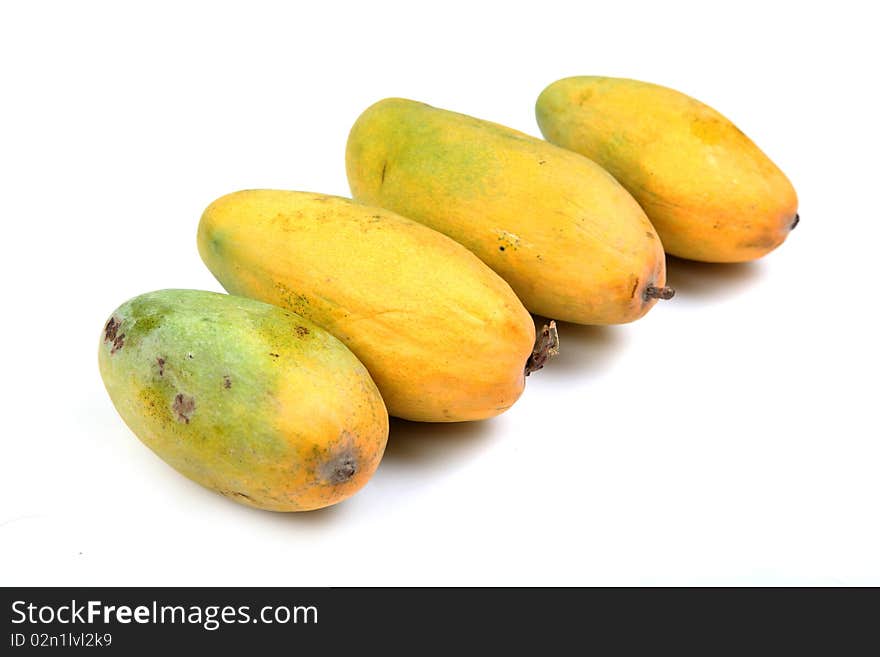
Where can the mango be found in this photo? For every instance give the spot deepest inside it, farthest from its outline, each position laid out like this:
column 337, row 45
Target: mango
column 571, row 242
column 710, row 192
column 444, row 338
column 248, row 400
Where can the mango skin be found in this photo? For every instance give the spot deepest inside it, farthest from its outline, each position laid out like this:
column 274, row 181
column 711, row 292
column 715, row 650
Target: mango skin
column 244, row 398
column 444, row 338
column 710, row 192
column 571, row 242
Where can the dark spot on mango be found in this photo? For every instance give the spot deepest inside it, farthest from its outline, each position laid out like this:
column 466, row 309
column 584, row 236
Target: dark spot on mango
column 342, row 463
column 184, row 406
column 340, row 469
column 118, row 343
column 227, row 382
column 764, row 242
column 500, row 248
column 234, row 494
column 795, row 222
column 649, row 234
column 110, row 329
column 161, row 363
column 274, row 355
column 302, row 331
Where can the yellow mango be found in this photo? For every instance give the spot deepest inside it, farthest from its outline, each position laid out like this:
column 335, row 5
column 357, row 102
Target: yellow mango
column 444, row 338
column 571, row 242
column 247, row 399
column 710, row 192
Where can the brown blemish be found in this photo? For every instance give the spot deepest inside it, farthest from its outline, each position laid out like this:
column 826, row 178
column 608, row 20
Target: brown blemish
column 384, row 167
column 234, row 493
column 227, row 382
column 113, row 336
column 110, row 329
column 542, row 161
column 795, row 222
column 161, row 363
column 763, row 242
column 274, row 355
column 342, row 465
column 340, row 469
column 184, row 406
column 649, row 234
column 302, row 331
column 118, row 343
column 635, row 287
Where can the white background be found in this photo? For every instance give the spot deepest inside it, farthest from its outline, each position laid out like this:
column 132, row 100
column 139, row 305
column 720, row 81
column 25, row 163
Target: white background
column 730, row 437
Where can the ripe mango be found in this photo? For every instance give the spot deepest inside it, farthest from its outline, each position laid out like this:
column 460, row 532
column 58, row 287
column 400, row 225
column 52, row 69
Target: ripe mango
column 710, row 192
column 571, row 242
column 444, row 337
column 244, row 398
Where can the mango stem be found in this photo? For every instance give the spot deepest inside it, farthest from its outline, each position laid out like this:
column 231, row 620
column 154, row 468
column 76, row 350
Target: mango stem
column 654, row 292
column 546, row 346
